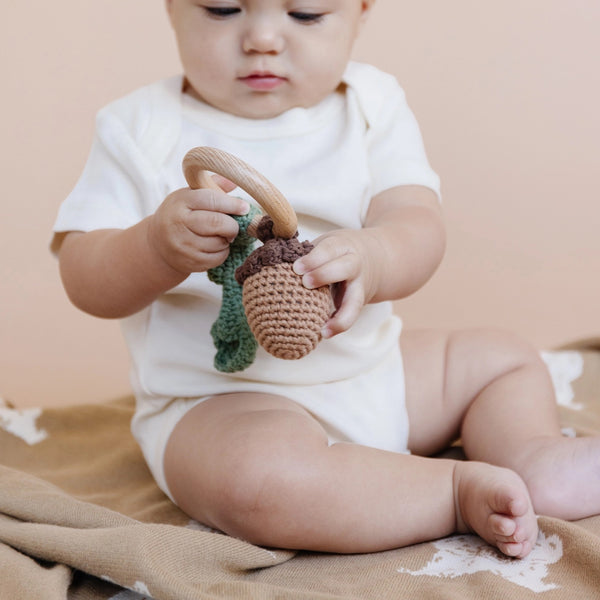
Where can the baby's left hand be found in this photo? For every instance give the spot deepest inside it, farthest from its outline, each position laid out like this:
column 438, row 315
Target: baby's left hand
column 345, row 259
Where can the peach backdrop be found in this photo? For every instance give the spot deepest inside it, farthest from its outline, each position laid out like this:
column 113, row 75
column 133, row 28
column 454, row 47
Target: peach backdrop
column 507, row 95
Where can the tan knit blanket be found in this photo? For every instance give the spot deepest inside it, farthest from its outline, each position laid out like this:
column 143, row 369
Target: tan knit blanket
column 81, row 518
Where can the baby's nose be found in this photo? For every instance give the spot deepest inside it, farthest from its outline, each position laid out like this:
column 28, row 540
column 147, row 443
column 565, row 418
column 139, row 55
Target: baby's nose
column 264, row 36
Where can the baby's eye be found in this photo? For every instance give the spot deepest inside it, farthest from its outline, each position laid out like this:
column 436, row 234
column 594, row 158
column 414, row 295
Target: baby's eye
column 221, row 11
column 304, row 17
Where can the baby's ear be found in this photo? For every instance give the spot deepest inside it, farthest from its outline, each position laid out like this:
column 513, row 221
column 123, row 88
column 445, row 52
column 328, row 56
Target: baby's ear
column 366, row 8
column 169, row 6
column 365, row 11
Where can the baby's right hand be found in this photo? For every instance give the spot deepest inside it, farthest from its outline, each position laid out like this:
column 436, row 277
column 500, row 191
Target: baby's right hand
column 191, row 230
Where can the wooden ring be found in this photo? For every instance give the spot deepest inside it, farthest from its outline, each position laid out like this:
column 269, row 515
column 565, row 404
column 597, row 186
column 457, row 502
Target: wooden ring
column 199, row 161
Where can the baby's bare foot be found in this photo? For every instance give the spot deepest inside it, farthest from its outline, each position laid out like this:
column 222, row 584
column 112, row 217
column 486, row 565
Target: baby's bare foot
column 494, row 503
column 563, row 476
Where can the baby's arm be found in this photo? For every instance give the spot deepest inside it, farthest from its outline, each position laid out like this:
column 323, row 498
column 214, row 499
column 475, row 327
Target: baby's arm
column 114, row 273
column 392, row 256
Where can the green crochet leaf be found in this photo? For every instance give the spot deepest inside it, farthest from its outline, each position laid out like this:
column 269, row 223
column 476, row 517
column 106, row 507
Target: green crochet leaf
column 232, row 337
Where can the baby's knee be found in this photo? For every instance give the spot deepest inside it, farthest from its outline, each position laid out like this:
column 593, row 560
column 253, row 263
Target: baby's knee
column 498, row 351
column 259, row 499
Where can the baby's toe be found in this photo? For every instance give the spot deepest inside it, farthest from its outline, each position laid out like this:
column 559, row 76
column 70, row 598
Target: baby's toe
column 510, row 500
column 502, row 527
column 517, row 549
column 525, row 535
column 513, row 549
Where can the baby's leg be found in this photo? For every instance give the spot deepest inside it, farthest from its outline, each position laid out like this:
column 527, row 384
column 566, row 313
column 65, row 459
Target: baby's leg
column 495, row 392
column 260, row 468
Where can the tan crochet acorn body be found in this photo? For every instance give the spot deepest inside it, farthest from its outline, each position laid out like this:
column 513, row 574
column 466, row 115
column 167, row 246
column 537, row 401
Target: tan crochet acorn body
column 285, row 317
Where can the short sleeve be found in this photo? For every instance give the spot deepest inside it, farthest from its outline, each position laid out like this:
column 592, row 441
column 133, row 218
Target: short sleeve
column 396, row 150
column 122, row 182
column 396, row 153
column 119, row 185
column 105, row 196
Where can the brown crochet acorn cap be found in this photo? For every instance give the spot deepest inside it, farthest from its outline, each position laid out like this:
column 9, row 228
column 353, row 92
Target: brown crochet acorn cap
column 285, row 317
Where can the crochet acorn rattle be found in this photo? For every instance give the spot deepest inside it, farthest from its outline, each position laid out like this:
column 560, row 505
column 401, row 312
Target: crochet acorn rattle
column 263, row 298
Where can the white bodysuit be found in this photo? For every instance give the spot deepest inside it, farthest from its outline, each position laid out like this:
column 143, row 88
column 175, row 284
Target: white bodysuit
column 329, row 161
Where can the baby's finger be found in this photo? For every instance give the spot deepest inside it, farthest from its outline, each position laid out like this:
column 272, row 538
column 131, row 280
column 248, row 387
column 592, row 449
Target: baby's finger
column 210, row 245
column 206, row 223
column 325, row 250
column 349, row 309
column 341, row 268
column 190, row 253
column 213, row 200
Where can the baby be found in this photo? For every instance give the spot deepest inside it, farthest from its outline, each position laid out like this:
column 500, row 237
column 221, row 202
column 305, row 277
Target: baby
column 314, row 454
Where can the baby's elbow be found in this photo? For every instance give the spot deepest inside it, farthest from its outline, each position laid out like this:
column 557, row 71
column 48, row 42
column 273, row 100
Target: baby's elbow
column 88, row 296
column 94, row 308
column 90, row 303
column 82, row 279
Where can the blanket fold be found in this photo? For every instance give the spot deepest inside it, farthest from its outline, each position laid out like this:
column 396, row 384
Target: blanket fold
column 81, row 519
column 40, row 520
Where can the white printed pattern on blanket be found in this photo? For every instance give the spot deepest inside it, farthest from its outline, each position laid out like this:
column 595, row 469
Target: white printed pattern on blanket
column 22, row 423
column 468, row 554
column 141, row 588
column 565, row 367
column 139, row 591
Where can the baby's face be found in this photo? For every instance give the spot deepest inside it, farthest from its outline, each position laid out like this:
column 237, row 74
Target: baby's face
column 259, row 58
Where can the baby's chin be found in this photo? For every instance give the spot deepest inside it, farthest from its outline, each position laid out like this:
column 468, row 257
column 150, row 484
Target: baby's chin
column 258, row 105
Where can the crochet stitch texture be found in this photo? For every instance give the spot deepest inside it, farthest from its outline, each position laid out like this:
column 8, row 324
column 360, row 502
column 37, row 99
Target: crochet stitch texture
column 285, row 317
column 232, row 337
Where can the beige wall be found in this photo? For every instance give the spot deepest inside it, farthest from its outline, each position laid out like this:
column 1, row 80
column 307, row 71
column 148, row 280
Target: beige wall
column 508, row 97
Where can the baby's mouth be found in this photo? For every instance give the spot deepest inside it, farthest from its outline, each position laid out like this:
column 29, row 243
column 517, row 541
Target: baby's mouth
column 262, row 80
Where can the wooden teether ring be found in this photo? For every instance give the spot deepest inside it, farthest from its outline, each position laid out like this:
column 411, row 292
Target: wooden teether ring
column 199, row 161
column 285, row 317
